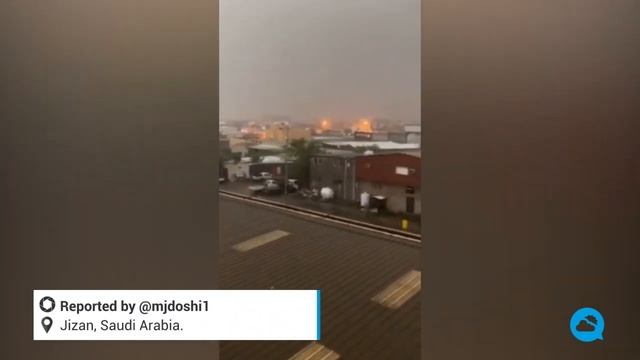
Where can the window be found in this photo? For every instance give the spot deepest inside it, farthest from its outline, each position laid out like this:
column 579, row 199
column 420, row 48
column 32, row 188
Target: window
column 402, row 170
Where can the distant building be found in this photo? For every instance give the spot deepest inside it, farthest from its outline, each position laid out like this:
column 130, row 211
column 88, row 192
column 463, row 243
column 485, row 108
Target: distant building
column 393, row 176
column 397, row 136
column 237, row 171
column 371, row 136
column 228, row 130
column 333, row 133
column 239, row 146
column 323, row 138
column 378, row 146
column 282, row 133
column 413, row 138
column 363, row 135
column 264, row 149
column 336, row 171
column 407, row 134
column 224, row 144
column 414, row 133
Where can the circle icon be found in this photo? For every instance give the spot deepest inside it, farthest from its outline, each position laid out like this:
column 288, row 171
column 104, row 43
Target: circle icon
column 587, row 325
column 47, row 304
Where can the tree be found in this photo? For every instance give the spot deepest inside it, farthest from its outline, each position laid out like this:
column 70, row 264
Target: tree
column 301, row 151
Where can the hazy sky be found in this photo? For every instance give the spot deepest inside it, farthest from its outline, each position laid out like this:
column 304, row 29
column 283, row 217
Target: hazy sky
column 310, row 58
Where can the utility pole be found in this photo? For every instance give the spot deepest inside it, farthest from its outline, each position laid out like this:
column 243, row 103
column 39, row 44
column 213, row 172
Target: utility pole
column 286, row 177
column 286, row 156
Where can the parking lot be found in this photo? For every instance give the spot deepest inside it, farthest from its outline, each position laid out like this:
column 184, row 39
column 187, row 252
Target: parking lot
column 348, row 210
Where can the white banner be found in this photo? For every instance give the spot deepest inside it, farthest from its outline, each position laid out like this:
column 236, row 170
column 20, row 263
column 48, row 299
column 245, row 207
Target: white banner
column 176, row 314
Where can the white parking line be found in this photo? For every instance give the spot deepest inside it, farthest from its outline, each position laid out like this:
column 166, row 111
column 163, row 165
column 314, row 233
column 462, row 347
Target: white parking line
column 315, row 351
column 400, row 291
column 260, row 240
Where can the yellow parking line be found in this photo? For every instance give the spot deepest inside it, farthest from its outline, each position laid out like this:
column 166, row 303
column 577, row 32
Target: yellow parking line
column 400, row 291
column 260, row 240
column 315, row 351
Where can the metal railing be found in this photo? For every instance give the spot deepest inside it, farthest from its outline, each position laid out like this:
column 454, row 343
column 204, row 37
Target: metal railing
column 391, row 232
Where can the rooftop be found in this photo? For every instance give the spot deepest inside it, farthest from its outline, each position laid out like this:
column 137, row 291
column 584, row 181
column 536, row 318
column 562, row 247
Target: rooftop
column 382, row 145
column 413, row 128
column 336, row 153
column 267, row 147
column 350, row 267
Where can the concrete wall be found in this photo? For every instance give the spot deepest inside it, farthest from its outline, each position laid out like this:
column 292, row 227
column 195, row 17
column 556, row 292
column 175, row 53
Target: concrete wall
column 399, row 137
column 396, row 196
column 413, row 138
column 238, row 170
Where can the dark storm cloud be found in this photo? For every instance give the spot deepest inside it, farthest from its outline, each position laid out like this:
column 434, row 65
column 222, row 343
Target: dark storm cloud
column 309, row 58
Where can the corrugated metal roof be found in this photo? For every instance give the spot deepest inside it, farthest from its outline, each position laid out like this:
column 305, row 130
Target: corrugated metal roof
column 264, row 146
column 350, row 266
column 382, row 145
column 412, row 128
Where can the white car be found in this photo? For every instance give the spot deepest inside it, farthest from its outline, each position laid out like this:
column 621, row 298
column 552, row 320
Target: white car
column 293, row 185
column 271, row 186
column 262, row 176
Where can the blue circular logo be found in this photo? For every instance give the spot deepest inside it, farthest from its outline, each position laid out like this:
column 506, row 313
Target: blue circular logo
column 587, row 325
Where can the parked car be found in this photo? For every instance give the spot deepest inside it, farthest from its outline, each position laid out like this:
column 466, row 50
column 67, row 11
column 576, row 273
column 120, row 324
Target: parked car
column 256, row 189
column 262, row 176
column 312, row 194
column 271, row 186
column 293, row 185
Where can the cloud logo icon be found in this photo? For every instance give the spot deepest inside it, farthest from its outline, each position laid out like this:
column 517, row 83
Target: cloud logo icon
column 583, row 325
column 587, row 325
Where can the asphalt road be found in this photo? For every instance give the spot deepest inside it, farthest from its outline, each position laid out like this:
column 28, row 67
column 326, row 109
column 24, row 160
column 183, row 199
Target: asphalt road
column 350, row 268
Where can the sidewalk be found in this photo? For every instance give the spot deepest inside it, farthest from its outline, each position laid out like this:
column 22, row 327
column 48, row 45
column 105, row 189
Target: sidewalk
column 348, row 210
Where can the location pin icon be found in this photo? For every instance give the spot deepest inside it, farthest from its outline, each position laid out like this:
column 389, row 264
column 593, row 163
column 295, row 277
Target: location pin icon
column 46, row 323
